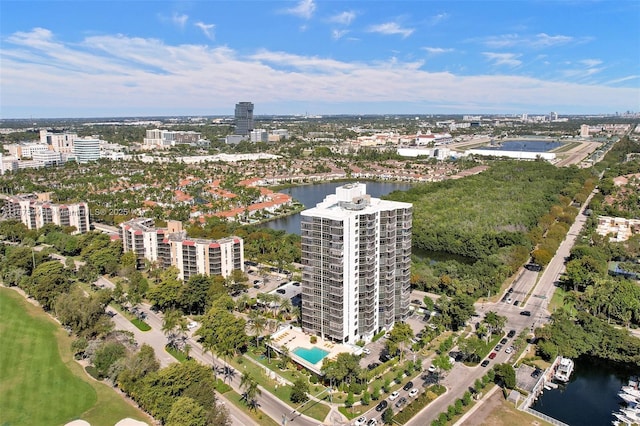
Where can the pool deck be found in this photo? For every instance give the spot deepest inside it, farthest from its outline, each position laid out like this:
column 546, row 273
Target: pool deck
column 292, row 338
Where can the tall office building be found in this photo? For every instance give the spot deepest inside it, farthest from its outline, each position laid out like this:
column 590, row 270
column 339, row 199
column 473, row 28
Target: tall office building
column 356, row 257
column 244, row 118
column 86, row 149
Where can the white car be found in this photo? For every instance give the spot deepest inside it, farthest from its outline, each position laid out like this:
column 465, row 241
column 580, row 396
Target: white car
column 192, row 325
column 394, row 395
column 509, row 349
column 366, row 351
column 413, row 392
column 432, row 368
column 360, row 421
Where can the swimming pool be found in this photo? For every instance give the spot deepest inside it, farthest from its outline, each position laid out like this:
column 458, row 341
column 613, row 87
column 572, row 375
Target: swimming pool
column 313, row 355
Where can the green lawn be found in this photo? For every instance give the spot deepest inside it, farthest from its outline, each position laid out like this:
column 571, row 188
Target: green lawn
column 40, row 383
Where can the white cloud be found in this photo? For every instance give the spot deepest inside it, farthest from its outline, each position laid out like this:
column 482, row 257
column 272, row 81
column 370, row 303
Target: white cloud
column 338, row 34
column 508, row 59
column 437, row 50
column 116, row 74
column 623, row 79
column 179, row 20
column 590, row 63
column 436, row 19
column 304, row 9
column 344, row 18
column 207, row 29
column 391, row 28
column 537, row 41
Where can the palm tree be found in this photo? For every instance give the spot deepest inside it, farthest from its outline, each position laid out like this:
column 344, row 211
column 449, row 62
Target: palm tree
column 169, row 323
column 251, row 389
column 267, row 342
column 243, row 302
column 257, row 324
column 285, row 305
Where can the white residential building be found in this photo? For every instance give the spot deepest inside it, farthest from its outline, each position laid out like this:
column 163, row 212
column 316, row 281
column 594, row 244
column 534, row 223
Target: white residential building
column 356, row 256
column 36, row 210
column 171, row 247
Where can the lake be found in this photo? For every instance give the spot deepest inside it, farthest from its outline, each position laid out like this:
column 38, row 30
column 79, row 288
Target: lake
column 590, row 396
column 310, row 195
column 526, row 145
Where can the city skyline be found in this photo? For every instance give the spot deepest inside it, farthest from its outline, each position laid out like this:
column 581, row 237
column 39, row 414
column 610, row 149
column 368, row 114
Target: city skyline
column 103, row 59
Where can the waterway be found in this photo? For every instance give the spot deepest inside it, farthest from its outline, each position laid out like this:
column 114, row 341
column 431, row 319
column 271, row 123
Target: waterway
column 310, row 195
column 525, row 145
column 590, row 396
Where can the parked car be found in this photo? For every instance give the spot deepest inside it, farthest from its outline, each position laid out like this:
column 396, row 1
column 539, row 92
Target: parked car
column 432, row 368
column 373, row 365
column 281, row 291
column 526, row 313
column 192, row 325
column 503, row 341
column 394, row 395
column 498, row 347
column 360, row 421
column 508, row 300
column 485, row 363
column 401, row 402
column 509, row 349
column 372, row 422
column 511, row 333
column 413, row 392
column 407, row 386
column 516, row 303
column 510, row 290
column 383, row 404
column 366, row 351
column 492, row 355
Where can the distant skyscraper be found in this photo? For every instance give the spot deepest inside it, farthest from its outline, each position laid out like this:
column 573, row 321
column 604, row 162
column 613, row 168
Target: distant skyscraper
column 356, row 257
column 244, row 118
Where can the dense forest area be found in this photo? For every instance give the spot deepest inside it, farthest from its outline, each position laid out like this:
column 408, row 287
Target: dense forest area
column 486, row 226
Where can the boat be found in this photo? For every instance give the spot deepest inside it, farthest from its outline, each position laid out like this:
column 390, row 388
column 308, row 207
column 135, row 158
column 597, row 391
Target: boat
column 564, row 370
column 628, row 398
column 631, row 391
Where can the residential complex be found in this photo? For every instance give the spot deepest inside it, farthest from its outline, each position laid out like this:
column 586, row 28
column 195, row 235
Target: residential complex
column 356, row 257
column 171, row 247
column 617, row 228
column 167, row 138
column 37, row 210
column 244, row 118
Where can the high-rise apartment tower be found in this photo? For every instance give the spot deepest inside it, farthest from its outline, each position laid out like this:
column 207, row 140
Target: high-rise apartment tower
column 244, row 118
column 356, row 256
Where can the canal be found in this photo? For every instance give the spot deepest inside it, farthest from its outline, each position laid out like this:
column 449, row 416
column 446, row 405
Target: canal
column 590, row 396
column 310, row 195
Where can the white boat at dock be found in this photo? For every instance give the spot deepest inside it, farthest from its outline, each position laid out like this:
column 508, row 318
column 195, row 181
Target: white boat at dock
column 564, row 370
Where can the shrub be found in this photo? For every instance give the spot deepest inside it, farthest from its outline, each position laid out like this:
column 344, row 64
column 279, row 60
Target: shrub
column 313, row 339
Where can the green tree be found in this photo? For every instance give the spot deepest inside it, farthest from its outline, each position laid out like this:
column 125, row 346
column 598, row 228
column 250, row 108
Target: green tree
column 299, row 391
column 387, row 416
column 106, row 355
column 506, row 375
column 186, row 412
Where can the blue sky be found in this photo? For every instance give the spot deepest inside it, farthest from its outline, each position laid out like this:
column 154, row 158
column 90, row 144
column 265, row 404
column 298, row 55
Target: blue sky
column 142, row 58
